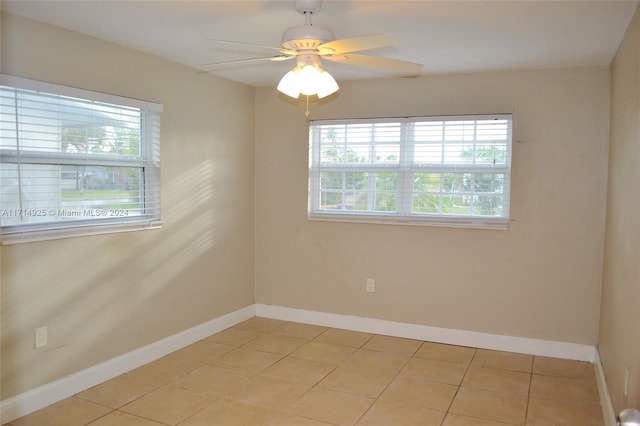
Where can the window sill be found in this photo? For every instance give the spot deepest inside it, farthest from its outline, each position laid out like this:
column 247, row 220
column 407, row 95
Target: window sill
column 58, row 234
column 500, row 224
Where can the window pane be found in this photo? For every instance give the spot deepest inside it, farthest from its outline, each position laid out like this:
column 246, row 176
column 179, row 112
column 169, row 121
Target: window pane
column 426, row 203
column 385, row 153
column 60, row 124
column 453, row 182
column 456, row 204
column 331, row 200
column 365, row 143
column 428, row 131
column 461, row 142
column 458, row 193
column 347, row 200
column 356, row 180
column 496, row 130
column 331, row 180
column 491, row 153
column 52, row 193
column 357, row 201
column 459, row 131
column 386, row 192
column 102, row 188
column 488, row 205
column 386, row 202
column 488, row 182
column 428, row 153
column 457, row 153
column 427, row 182
column 386, row 181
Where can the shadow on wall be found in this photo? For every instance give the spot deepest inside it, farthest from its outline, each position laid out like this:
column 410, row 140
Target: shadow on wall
column 89, row 292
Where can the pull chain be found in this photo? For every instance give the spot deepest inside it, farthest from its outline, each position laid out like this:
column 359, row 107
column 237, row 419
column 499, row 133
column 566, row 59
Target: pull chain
column 307, row 113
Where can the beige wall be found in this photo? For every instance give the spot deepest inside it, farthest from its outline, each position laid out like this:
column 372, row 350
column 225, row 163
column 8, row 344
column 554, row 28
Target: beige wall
column 103, row 296
column 539, row 279
column 619, row 342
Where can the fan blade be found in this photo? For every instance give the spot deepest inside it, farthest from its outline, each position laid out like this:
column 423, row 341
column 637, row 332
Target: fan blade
column 242, row 61
column 394, row 66
column 355, row 44
column 259, row 46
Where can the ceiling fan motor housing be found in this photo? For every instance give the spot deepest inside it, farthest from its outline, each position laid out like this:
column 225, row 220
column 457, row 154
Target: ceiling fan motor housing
column 306, row 37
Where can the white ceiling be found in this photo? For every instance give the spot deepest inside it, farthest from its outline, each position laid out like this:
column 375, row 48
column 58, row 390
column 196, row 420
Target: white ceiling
column 445, row 36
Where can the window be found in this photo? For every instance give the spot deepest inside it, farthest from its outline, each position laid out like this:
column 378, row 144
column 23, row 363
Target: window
column 75, row 162
column 450, row 171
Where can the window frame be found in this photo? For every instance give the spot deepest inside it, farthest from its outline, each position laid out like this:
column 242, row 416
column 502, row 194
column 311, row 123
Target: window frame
column 148, row 164
column 405, row 169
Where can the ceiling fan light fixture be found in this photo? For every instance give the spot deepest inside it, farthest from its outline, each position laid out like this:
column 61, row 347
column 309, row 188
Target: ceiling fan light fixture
column 308, row 80
column 289, row 84
column 327, row 85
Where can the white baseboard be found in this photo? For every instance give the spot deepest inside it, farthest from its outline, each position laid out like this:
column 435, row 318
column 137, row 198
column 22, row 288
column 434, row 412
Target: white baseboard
column 608, row 412
column 58, row 390
column 432, row 334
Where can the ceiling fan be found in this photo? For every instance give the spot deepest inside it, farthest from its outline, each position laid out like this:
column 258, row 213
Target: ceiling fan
column 308, row 44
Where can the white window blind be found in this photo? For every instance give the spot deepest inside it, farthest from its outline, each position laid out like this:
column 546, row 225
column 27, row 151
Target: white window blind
column 76, row 162
column 449, row 171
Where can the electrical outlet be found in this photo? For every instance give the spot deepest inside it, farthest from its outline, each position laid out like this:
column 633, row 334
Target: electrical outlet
column 41, row 337
column 371, row 285
column 626, row 381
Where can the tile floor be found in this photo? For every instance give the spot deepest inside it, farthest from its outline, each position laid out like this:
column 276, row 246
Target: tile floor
column 269, row 372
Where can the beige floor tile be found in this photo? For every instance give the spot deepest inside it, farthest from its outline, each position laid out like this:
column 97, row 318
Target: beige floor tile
column 561, row 389
column 68, row 412
column 118, row 418
column 166, row 369
column 324, row 352
column 299, row 370
column 120, row 390
column 513, row 382
column 387, row 362
column 390, row 414
column 355, row 381
column 276, row 373
column 234, row 336
column 419, row 393
column 168, row 405
column 437, row 371
column 291, row 420
column 393, row 344
column 569, row 369
column 265, row 392
column 261, row 325
column 332, row 407
column 247, row 360
column 490, row 405
column 458, row 420
column 448, row 353
column 231, row 413
column 354, row 339
column 202, row 351
column 503, row 360
column 275, row 344
column 211, row 380
column 298, row 330
column 553, row 413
